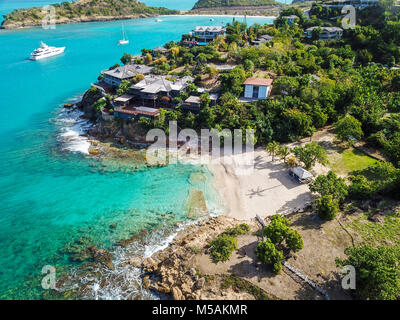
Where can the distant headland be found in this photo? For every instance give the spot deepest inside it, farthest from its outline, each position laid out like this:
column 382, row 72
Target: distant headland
column 84, row 11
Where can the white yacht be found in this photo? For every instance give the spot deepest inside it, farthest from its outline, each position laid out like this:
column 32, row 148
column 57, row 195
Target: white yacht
column 45, row 51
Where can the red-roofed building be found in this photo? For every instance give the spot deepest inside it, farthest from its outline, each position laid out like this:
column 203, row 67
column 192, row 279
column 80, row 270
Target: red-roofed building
column 257, row 88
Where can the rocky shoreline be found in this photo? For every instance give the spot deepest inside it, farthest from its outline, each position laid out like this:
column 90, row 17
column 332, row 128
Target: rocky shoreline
column 172, row 271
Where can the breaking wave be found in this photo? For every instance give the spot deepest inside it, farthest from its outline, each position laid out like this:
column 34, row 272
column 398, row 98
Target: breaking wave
column 72, row 130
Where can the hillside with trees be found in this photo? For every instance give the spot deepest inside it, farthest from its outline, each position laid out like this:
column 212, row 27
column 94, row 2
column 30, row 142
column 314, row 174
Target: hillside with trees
column 83, row 11
column 231, row 3
column 348, row 86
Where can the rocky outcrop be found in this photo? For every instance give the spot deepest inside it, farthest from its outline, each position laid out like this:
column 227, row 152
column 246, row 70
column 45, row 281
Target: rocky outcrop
column 101, row 256
column 120, row 130
column 87, row 102
column 172, row 272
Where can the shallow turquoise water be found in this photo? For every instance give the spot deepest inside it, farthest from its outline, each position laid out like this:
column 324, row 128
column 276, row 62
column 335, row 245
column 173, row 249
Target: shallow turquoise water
column 49, row 197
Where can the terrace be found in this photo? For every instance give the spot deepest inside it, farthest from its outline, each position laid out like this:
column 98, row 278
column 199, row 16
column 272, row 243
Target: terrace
column 131, row 111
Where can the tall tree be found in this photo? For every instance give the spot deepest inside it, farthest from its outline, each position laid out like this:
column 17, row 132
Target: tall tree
column 310, row 154
column 347, row 128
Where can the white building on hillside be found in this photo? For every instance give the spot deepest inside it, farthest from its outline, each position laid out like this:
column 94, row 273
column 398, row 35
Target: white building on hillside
column 257, row 89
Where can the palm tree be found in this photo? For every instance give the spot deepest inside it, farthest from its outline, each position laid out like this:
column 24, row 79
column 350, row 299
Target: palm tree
column 174, row 52
column 283, row 151
column 291, row 162
column 272, row 148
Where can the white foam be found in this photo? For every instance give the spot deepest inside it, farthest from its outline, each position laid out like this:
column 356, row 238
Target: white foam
column 72, row 127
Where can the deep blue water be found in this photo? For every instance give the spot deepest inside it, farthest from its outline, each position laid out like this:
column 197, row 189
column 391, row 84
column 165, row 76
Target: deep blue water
column 50, row 196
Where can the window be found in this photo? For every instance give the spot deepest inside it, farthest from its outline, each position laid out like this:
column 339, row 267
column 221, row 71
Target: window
column 255, row 91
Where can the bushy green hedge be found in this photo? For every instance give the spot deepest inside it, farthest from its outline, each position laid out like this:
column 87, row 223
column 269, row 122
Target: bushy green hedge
column 238, row 230
column 267, row 253
column 222, row 247
column 327, row 207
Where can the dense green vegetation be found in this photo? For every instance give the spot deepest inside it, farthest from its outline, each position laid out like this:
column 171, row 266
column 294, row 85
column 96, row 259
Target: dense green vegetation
column 381, row 179
column 333, row 190
column 231, row 3
column 85, row 9
column 377, row 271
column 316, row 83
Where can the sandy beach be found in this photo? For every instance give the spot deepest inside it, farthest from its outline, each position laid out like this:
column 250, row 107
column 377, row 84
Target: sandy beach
column 265, row 191
column 219, row 15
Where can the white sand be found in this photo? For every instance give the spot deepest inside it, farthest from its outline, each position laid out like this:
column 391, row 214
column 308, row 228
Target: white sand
column 267, row 190
column 219, row 15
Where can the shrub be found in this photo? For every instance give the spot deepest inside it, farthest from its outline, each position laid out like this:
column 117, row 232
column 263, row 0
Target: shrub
column 277, row 230
column 330, row 184
column 380, row 179
column 327, row 207
column 100, row 104
column 348, row 127
column 138, row 77
column 124, row 87
column 238, row 230
column 126, row 58
column 294, row 240
column 222, row 247
column 268, row 254
column 360, row 187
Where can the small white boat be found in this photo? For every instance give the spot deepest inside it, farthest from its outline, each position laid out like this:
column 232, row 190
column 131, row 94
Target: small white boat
column 211, row 19
column 158, row 20
column 123, row 41
column 45, row 51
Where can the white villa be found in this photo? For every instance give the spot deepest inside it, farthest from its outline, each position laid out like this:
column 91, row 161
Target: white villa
column 208, row 33
column 257, row 89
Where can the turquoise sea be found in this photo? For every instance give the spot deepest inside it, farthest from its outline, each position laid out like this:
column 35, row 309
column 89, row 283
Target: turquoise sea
column 51, row 194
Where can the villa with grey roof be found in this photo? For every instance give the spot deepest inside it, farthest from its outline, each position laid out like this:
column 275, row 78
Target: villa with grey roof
column 153, row 87
column 159, row 51
column 148, row 95
column 263, row 39
column 114, row 77
column 327, row 33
